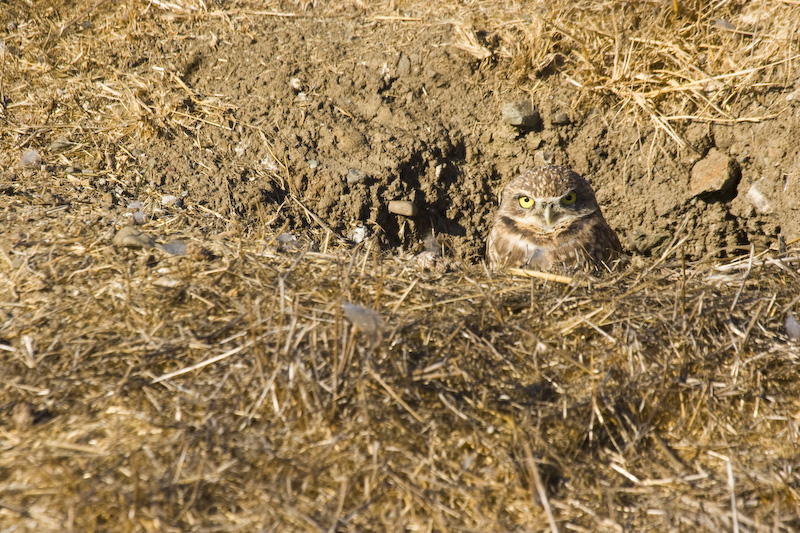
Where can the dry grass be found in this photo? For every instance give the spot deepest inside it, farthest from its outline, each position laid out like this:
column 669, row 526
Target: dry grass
column 230, row 392
column 665, row 62
column 229, row 389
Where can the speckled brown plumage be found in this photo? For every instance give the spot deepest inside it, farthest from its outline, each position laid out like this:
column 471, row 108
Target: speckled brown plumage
column 548, row 216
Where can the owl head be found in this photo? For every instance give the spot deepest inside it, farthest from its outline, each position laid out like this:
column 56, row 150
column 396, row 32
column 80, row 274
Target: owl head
column 548, row 199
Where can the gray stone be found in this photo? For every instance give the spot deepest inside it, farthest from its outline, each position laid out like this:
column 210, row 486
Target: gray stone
column 31, row 159
column 130, row 237
column 368, row 322
column 61, row 144
column 561, row 119
column 355, row 176
column 792, row 327
column 759, row 200
column 169, row 199
column 522, row 115
column 173, row 248
column 287, row 242
column 645, row 243
column 403, row 66
column 359, row 234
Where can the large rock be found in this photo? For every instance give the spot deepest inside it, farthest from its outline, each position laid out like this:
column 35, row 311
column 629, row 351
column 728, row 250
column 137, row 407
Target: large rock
column 715, row 173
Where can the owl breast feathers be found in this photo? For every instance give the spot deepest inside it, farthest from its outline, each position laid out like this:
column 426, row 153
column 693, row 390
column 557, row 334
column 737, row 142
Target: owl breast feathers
column 548, row 216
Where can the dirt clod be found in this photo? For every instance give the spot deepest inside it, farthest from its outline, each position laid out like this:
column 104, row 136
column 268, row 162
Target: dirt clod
column 715, row 173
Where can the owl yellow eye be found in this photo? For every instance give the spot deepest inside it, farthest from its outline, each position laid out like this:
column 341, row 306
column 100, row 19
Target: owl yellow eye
column 525, row 202
column 569, row 199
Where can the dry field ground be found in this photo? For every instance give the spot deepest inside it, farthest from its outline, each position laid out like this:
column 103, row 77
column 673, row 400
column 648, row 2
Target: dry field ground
column 211, row 319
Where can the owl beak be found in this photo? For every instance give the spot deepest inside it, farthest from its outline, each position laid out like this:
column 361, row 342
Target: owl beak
column 547, row 208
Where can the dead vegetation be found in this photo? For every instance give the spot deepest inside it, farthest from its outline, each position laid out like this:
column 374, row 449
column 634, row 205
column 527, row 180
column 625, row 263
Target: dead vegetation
column 666, row 62
column 251, row 384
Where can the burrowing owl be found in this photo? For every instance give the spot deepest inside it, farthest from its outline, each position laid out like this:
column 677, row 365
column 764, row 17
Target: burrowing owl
column 549, row 216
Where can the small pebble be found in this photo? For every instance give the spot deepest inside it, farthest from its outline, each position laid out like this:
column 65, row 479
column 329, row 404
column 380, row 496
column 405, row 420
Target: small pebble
column 31, row 159
column 521, row 114
column 429, row 261
column 365, row 320
column 312, row 163
column 759, row 200
column 166, row 282
column 355, row 176
column 287, row 242
column 402, row 207
column 136, row 204
column 169, row 199
column 723, row 24
column 403, row 66
column 543, row 157
column 359, row 234
column 174, row 248
column 130, row 237
column 22, row 415
column 296, row 84
column 49, row 198
column 139, row 217
column 792, row 327
column 560, row 119
column 60, row 144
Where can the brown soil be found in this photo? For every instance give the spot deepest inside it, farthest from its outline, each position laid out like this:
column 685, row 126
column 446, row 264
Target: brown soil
column 420, row 118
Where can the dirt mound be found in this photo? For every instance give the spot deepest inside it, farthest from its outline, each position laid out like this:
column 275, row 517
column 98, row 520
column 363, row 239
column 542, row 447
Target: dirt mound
column 347, row 112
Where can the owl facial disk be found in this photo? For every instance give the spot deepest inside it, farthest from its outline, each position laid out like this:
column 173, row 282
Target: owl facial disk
column 552, row 213
column 547, row 210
